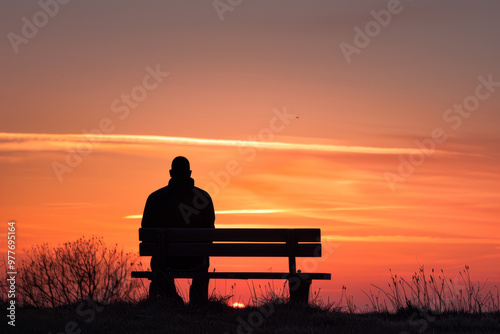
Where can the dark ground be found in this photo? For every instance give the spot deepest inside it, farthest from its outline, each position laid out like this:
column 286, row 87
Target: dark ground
column 150, row 318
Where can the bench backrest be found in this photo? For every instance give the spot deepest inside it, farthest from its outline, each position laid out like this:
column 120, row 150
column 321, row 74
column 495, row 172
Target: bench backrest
column 230, row 242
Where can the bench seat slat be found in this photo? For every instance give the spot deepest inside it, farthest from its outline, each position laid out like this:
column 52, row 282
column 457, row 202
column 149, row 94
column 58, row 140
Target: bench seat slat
column 228, row 234
column 233, row 275
column 231, row 249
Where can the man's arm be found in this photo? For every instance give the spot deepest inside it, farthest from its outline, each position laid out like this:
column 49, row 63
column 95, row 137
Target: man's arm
column 148, row 216
column 210, row 214
column 207, row 212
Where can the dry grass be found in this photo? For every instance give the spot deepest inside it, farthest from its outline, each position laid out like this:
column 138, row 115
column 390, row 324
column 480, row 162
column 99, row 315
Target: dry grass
column 436, row 293
column 218, row 317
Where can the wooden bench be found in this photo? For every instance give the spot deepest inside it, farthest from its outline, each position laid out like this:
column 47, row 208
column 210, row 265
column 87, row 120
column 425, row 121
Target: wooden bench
column 230, row 242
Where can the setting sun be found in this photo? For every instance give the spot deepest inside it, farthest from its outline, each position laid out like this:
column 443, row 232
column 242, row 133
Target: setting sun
column 238, row 305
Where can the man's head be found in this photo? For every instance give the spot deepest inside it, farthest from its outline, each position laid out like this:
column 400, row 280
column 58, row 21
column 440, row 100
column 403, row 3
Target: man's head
column 180, row 168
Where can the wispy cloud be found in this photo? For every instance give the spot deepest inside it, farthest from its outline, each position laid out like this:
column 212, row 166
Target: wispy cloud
column 223, row 225
column 133, row 217
column 292, row 211
column 409, row 239
column 243, row 212
column 51, row 142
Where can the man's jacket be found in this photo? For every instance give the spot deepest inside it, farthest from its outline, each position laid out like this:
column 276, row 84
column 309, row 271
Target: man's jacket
column 179, row 205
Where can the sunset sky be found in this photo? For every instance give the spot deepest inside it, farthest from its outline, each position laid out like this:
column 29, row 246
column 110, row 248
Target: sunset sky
column 391, row 148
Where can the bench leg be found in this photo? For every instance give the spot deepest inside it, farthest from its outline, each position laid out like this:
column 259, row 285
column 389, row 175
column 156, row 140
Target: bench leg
column 299, row 290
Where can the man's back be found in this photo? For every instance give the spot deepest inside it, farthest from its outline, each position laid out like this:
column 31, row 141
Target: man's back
column 179, row 205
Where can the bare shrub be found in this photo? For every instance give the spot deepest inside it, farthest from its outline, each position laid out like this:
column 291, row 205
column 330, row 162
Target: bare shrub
column 76, row 271
column 3, row 282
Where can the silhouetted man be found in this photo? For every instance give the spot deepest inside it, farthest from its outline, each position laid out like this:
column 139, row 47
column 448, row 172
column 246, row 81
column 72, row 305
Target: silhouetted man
column 179, row 205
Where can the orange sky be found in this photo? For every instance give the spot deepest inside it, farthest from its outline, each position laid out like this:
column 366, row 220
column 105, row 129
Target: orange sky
column 314, row 138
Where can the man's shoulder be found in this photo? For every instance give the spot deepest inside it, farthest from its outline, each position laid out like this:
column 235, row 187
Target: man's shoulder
column 159, row 193
column 202, row 192
column 168, row 191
